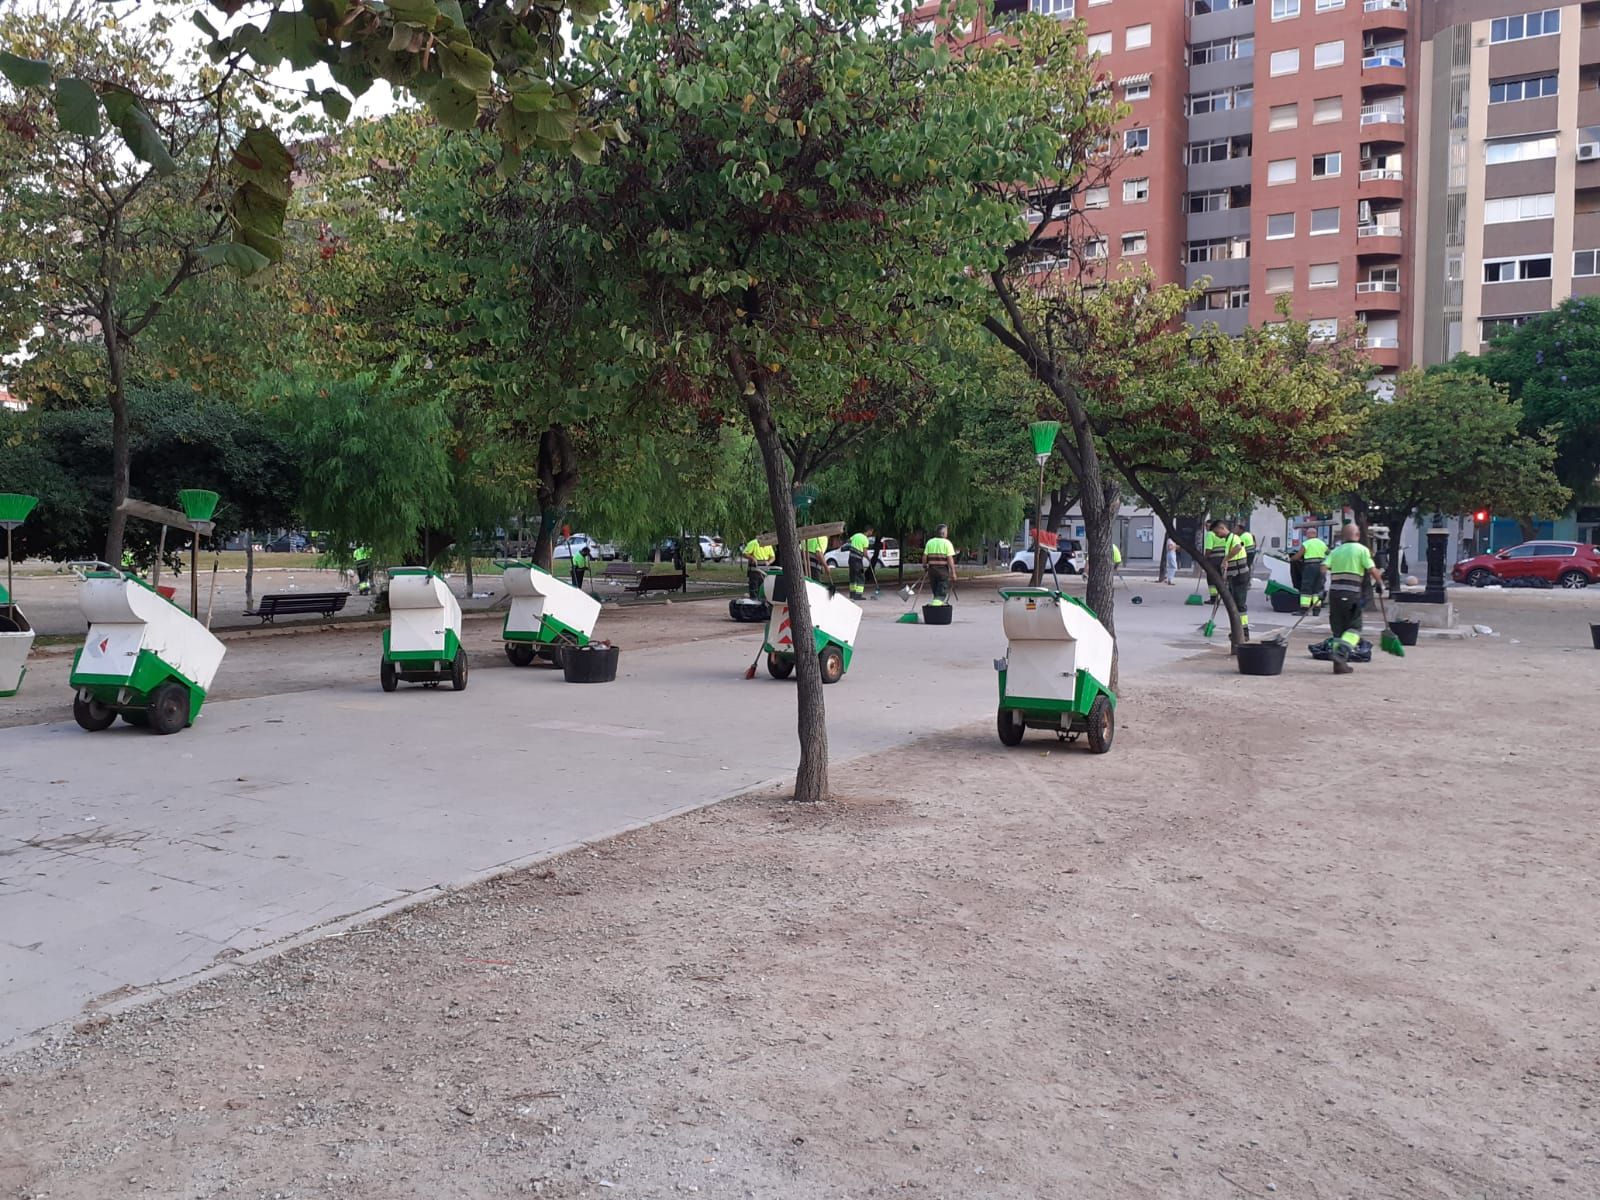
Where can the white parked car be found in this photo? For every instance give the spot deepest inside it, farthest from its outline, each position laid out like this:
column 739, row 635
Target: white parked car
column 1071, row 560
column 888, row 555
column 603, row 551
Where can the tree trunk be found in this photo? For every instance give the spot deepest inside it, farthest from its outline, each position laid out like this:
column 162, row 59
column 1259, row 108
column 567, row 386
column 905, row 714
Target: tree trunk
column 558, row 477
column 811, row 779
column 249, row 568
column 117, row 398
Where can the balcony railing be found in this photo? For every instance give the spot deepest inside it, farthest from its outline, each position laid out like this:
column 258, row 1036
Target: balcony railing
column 1382, row 114
column 1383, row 58
column 1381, row 175
column 1380, row 342
column 1383, row 6
column 1377, row 231
column 1376, row 285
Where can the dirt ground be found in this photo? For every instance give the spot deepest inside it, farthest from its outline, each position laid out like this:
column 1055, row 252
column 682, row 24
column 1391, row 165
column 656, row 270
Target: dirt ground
column 1293, row 937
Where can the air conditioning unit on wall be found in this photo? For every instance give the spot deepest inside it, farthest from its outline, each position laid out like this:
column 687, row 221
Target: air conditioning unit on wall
column 1588, row 151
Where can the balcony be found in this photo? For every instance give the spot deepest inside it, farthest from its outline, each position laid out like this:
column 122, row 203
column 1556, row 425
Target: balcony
column 1382, row 351
column 1383, row 114
column 1380, row 59
column 1383, row 14
column 1377, row 295
column 1377, row 231
column 1383, row 65
column 1382, row 183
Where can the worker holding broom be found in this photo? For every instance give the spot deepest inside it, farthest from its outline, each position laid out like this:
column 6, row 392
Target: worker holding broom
column 1219, row 543
column 817, row 558
column 859, row 544
column 939, row 562
column 1237, row 556
column 1310, row 554
column 1249, row 540
column 757, row 558
column 1350, row 568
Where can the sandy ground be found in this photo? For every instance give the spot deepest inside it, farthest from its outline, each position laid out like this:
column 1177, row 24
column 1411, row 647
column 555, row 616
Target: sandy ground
column 1293, row 937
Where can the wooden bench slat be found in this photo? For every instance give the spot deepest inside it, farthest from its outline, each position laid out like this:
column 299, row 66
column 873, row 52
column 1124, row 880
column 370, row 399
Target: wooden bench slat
column 291, row 603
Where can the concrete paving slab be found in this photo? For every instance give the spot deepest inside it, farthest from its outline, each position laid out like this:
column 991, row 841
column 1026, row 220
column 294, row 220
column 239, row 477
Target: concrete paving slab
column 135, row 859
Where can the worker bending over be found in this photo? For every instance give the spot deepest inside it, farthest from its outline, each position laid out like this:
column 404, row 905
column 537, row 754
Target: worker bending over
column 1218, row 541
column 817, row 558
column 1350, row 569
column 939, row 561
column 859, row 544
column 757, row 559
column 1310, row 555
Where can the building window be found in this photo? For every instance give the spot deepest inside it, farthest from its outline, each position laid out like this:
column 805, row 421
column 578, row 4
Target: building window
column 1221, row 249
column 1203, row 202
column 1136, row 37
column 1329, row 5
column 1052, row 8
column 1525, row 25
column 1323, row 275
column 1283, row 116
column 1284, row 62
column 1519, row 208
column 1098, row 3
column 1586, row 262
column 1097, row 197
column 1280, row 225
column 1509, row 91
column 1098, row 43
column 1515, row 270
column 1493, row 327
column 1328, row 54
column 1323, row 329
column 1324, row 220
column 1280, row 279
column 1328, row 109
column 1519, row 150
column 1136, row 139
column 1326, row 166
column 1094, row 248
column 1135, row 191
column 1136, row 91
column 1200, row 8
column 1280, row 170
column 1222, row 50
column 1221, row 298
column 1282, row 10
column 1223, row 100
column 1134, row 243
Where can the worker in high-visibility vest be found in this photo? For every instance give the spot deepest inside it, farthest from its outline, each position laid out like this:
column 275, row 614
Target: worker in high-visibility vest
column 939, row 561
column 1237, row 558
column 1217, row 543
column 860, row 544
column 363, row 561
column 1350, row 570
column 757, row 558
column 1249, row 539
column 1310, row 554
column 817, row 558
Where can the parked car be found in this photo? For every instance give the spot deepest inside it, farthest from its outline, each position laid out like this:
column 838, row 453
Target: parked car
column 711, row 549
column 288, row 543
column 888, row 555
column 604, row 551
column 1562, row 564
column 1068, row 560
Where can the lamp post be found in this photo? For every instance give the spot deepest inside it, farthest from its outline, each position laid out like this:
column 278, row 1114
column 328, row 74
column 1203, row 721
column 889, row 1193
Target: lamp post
column 1044, row 440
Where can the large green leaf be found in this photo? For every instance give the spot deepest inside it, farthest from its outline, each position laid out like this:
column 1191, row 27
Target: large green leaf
column 138, row 129
column 466, row 65
column 242, row 258
column 77, row 107
column 260, row 158
column 24, row 72
column 588, row 146
column 453, row 105
column 335, row 103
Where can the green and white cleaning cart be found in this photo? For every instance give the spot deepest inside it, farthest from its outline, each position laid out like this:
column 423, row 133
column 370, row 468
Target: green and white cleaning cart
column 423, row 641
column 1282, row 594
column 144, row 657
column 16, row 634
column 1058, row 659
column 546, row 614
column 834, row 621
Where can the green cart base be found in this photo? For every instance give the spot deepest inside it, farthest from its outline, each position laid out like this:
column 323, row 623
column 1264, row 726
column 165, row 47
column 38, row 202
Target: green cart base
column 154, row 697
column 834, row 658
column 424, row 666
column 523, row 648
column 1091, row 713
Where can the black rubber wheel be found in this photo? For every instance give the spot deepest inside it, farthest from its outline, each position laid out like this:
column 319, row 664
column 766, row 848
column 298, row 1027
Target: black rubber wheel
column 169, row 708
column 779, row 668
column 1008, row 723
column 388, row 676
column 1574, row 579
column 139, row 720
column 520, row 653
column 832, row 660
column 555, row 655
column 1102, row 722
column 1480, row 577
column 91, row 714
column 458, row 670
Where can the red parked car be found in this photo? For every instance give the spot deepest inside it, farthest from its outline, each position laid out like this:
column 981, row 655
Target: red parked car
column 1562, row 564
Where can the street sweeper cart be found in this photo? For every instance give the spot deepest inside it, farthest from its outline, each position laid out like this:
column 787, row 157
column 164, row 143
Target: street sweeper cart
column 834, row 621
column 16, row 634
column 144, row 658
column 423, row 641
column 547, row 615
column 1055, row 672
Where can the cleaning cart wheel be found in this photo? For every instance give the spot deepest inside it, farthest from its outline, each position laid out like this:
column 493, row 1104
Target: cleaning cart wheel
column 458, row 670
column 1102, row 725
column 555, row 655
column 1008, row 723
column 520, row 654
column 91, row 714
column 139, row 720
column 169, row 708
column 388, row 677
column 832, row 664
column 779, row 668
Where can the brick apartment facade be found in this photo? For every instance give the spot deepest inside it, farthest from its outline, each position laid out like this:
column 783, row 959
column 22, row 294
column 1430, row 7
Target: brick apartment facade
column 1427, row 169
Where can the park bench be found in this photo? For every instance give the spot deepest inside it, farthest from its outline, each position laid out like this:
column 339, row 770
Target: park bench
column 622, row 570
column 283, row 604
column 643, row 580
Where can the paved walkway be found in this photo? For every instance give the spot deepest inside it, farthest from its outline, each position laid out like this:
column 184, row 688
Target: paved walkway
column 128, row 859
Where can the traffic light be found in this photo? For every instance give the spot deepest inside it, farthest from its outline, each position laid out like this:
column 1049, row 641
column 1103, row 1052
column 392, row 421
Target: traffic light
column 1481, row 517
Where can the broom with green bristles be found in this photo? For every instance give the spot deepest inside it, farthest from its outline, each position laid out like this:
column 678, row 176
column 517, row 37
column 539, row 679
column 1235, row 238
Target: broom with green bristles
column 1210, row 627
column 1389, row 643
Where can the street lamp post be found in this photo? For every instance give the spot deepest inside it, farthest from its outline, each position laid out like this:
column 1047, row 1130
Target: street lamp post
column 1044, row 440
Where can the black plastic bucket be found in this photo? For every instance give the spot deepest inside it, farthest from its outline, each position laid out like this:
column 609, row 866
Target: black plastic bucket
column 1261, row 658
column 937, row 614
column 1285, row 602
column 745, row 609
column 590, row 664
column 1406, row 631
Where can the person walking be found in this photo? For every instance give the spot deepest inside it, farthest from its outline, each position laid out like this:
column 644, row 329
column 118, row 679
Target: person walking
column 1310, row 554
column 579, row 563
column 757, row 558
column 1350, row 569
column 860, row 544
column 939, row 562
column 363, row 561
column 1169, row 562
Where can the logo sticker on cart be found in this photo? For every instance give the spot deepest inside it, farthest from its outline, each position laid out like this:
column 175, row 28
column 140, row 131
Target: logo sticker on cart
column 783, row 633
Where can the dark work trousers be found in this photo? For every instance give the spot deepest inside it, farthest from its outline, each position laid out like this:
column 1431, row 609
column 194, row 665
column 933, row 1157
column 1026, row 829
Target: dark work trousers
column 1344, row 615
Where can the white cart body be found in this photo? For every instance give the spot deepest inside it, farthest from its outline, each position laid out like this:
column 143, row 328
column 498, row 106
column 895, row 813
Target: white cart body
column 1058, row 657
column 424, row 618
column 834, row 619
column 14, row 647
column 137, row 640
column 544, row 609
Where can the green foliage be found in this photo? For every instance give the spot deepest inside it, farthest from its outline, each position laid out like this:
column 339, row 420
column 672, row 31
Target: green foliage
column 1551, row 367
column 178, row 441
column 1452, row 441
